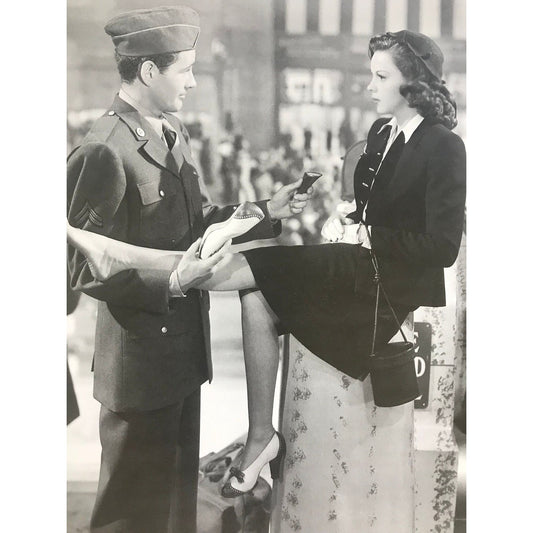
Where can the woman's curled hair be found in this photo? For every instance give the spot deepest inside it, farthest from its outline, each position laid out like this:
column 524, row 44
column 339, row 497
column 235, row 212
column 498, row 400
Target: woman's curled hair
column 423, row 91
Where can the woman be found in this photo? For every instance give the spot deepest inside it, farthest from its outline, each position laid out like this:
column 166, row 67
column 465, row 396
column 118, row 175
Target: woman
column 410, row 193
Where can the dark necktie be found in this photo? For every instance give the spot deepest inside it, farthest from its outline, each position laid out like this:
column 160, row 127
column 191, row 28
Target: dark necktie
column 169, row 135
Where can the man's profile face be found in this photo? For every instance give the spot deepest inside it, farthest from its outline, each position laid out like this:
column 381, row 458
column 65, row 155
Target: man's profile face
column 169, row 88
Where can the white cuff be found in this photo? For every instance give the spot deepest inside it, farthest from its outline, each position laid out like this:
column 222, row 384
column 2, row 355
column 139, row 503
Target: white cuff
column 365, row 243
column 175, row 287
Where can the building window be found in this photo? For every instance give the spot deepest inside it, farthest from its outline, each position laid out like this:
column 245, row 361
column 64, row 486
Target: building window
column 319, row 86
column 459, row 19
column 327, row 85
column 298, row 85
column 396, row 14
column 329, row 17
column 296, row 16
column 363, row 17
column 430, row 17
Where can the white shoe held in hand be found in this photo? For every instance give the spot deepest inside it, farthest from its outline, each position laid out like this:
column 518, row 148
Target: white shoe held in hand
column 243, row 219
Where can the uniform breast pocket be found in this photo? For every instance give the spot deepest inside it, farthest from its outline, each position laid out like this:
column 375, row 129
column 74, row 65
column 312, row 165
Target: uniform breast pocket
column 159, row 212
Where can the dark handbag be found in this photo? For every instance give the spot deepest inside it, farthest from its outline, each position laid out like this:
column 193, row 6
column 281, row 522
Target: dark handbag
column 392, row 368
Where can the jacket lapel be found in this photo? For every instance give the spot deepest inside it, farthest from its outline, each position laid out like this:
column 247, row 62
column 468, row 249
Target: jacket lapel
column 405, row 172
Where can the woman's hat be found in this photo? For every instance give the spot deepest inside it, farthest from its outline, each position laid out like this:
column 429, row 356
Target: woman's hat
column 159, row 30
column 424, row 48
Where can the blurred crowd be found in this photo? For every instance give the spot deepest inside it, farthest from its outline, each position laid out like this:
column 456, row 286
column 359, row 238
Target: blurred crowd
column 251, row 176
column 234, row 173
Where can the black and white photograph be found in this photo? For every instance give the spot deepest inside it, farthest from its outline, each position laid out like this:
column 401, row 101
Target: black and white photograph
column 266, row 210
column 260, row 211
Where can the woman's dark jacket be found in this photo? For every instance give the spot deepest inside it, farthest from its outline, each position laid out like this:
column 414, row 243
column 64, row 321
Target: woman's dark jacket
column 415, row 209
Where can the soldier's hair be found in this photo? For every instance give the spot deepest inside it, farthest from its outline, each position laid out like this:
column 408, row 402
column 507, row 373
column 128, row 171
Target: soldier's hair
column 130, row 67
column 423, row 91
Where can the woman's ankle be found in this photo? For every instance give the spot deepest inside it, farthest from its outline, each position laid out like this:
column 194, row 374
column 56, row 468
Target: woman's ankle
column 260, row 435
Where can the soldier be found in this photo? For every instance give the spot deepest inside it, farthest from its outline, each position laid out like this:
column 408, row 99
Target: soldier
column 133, row 179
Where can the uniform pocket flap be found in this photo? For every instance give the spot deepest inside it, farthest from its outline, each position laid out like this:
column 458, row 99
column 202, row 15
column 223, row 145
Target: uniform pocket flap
column 153, row 191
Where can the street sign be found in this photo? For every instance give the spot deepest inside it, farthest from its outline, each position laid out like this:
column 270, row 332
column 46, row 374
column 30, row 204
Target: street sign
column 422, row 362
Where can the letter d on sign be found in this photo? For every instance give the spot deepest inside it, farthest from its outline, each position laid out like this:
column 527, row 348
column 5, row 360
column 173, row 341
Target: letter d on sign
column 420, row 366
column 422, row 362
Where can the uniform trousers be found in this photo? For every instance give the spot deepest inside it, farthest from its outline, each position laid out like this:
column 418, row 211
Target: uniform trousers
column 149, row 470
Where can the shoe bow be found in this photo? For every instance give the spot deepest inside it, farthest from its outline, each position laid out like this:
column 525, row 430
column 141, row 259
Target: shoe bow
column 238, row 474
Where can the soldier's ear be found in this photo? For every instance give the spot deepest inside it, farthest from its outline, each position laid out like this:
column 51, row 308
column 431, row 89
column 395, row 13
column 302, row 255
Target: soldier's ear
column 147, row 71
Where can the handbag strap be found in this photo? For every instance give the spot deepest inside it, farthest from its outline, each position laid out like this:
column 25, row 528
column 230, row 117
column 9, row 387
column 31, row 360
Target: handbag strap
column 380, row 288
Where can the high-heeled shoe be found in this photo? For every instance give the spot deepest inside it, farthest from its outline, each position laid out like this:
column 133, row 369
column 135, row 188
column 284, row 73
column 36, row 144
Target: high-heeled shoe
column 242, row 481
column 243, row 219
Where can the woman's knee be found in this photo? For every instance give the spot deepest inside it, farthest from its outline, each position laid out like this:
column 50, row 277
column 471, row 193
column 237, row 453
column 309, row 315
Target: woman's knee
column 254, row 305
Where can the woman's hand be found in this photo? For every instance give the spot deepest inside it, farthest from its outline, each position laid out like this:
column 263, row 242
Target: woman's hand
column 333, row 229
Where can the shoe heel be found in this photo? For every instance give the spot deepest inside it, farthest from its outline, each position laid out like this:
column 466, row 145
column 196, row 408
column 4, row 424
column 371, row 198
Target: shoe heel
column 276, row 465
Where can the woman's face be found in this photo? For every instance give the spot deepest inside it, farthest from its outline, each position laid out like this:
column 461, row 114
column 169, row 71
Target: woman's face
column 385, row 84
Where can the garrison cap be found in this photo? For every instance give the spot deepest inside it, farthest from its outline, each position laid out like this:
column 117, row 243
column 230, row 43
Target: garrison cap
column 158, row 30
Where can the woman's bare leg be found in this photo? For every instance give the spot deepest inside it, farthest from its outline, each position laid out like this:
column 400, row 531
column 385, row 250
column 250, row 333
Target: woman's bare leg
column 261, row 359
column 232, row 274
column 107, row 257
column 261, row 351
column 260, row 339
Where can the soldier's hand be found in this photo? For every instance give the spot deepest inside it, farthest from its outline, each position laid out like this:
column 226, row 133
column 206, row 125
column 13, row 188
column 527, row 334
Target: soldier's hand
column 287, row 202
column 192, row 270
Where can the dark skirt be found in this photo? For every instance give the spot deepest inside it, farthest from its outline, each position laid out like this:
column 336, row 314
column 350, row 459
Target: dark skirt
column 311, row 289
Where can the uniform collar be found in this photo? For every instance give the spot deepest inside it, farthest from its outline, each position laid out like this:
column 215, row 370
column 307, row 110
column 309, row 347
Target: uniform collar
column 155, row 122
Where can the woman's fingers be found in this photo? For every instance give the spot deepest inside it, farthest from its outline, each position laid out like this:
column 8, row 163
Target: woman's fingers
column 332, row 230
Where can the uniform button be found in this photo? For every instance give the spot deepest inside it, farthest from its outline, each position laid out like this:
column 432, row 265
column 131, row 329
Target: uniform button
column 140, row 132
column 161, row 193
column 164, row 329
column 173, row 241
column 111, row 113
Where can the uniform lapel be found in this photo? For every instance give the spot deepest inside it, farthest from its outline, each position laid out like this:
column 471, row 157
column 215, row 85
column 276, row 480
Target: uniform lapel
column 189, row 176
column 160, row 154
column 183, row 152
column 150, row 144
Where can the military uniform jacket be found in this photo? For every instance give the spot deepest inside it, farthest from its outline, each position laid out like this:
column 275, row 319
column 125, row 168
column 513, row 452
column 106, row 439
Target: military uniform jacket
column 123, row 182
column 416, row 204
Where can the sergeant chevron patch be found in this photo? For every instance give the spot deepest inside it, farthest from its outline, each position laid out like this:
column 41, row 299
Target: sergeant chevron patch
column 87, row 213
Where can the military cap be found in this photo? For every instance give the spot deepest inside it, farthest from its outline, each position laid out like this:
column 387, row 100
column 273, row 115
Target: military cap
column 159, row 30
column 423, row 48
